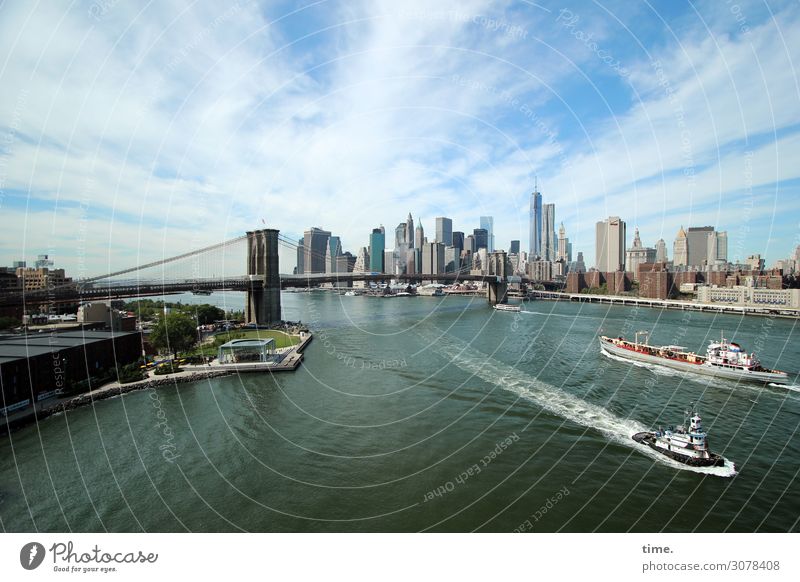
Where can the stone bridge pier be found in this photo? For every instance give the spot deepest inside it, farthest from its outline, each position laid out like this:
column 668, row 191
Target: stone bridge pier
column 499, row 270
column 263, row 301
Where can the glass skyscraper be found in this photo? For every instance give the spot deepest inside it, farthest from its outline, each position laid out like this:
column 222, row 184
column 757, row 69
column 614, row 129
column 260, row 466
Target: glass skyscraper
column 536, row 224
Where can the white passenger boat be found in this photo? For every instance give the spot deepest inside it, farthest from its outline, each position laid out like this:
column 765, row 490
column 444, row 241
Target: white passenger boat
column 506, row 307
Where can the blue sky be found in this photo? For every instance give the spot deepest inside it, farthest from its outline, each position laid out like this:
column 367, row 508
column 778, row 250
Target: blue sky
column 130, row 132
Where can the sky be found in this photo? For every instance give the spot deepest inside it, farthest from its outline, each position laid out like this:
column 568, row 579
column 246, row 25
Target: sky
column 132, row 131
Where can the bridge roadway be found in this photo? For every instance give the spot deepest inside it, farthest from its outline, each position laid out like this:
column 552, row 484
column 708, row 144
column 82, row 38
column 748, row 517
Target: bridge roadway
column 73, row 293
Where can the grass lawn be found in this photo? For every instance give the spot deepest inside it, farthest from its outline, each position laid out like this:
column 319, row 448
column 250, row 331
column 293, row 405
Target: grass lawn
column 282, row 340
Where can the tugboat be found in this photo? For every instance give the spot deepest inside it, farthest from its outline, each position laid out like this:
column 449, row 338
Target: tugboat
column 723, row 359
column 685, row 446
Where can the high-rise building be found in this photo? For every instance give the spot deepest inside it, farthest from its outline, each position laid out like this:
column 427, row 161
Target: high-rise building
column 697, row 244
column 469, row 243
column 535, row 224
column 301, row 257
column 332, row 254
column 610, row 245
column 432, row 258
column 514, row 247
column 410, row 231
column 451, row 259
column 638, row 254
column 315, row 245
column 564, row 248
column 444, row 231
column 661, row 251
column 419, row 235
column 579, row 266
column 377, row 244
column 717, row 249
column 458, row 240
column 362, row 261
column 481, row 237
column 487, row 223
column 680, row 249
column 549, row 232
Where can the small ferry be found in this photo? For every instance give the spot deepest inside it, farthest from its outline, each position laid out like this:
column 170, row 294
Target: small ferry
column 688, row 446
column 506, row 307
column 723, row 359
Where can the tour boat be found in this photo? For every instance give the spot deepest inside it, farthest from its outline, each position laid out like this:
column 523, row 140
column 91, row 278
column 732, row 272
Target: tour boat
column 506, row 307
column 688, row 446
column 723, row 359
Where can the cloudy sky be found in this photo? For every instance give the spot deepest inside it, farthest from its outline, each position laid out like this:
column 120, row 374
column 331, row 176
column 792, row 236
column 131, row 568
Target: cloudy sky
column 131, row 131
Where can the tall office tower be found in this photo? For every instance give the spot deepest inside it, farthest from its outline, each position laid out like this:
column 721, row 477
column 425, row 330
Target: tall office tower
column 717, row 248
column 419, row 236
column 638, row 254
column 580, row 265
column 481, row 237
column 564, row 248
column 377, row 244
column 432, row 258
column 458, row 240
column 469, row 243
column 402, row 245
column 301, row 257
column 514, row 248
column 610, row 245
column 315, row 243
column 444, row 231
column 487, row 223
column 680, row 249
column 362, row 261
column 549, row 232
column 451, row 259
column 389, row 265
column 410, row 231
column 661, row 251
column 697, row 245
column 332, row 253
column 535, row 225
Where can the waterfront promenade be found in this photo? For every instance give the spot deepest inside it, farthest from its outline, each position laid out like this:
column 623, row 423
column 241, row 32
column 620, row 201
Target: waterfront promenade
column 666, row 304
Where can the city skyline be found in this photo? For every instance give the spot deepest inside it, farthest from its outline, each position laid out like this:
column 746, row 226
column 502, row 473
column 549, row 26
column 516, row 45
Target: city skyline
column 102, row 167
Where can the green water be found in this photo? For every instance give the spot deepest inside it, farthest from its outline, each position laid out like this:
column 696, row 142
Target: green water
column 426, row 414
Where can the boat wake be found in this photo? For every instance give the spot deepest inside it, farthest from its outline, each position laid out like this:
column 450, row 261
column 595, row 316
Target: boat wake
column 558, row 315
column 557, row 401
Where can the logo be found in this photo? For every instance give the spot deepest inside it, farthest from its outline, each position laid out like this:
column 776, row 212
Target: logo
column 31, row 555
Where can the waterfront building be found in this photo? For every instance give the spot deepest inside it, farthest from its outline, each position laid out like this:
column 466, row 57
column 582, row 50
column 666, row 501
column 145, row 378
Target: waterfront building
column 514, row 247
column 535, row 226
column 549, row 232
column 315, row 245
column 481, row 237
column 638, row 254
column 444, row 230
column 32, row 278
column 680, row 249
column 697, row 245
column 539, row 270
column 661, row 251
column 610, row 245
column 433, row 258
column 376, row 247
column 487, row 224
column 749, row 296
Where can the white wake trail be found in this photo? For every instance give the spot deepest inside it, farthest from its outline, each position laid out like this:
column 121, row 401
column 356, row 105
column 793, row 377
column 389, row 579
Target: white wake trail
column 557, row 401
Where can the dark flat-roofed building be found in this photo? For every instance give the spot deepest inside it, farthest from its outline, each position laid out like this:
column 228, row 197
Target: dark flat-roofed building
column 36, row 367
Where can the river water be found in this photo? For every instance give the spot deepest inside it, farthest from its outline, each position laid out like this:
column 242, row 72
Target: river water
column 427, row 414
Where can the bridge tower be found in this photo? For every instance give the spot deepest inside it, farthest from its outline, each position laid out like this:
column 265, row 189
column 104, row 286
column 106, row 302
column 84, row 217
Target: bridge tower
column 263, row 301
column 500, row 268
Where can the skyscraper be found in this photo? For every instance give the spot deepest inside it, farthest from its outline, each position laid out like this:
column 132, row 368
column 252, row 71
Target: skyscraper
column 514, row 247
column 638, row 254
column 301, row 257
column 433, row 258
column 481, row 237
column 410, row 231
column 332, row 253
column 315, row 246
column 444, row 231
column 487, row 223
column 564, row 248
column 458, row 240
column 680, row 249
column 610, row 245
column 419, row 235
column 661, row 251
column 548, row 237
column 535, row 224
column 377, row 243
column 697, row 244
column 717, row 248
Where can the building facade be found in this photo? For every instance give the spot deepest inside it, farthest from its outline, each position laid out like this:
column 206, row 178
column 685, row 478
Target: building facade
column 610, row 245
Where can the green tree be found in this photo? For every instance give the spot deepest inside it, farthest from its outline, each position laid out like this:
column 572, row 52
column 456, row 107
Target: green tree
column 208, row 314
column 175, row 332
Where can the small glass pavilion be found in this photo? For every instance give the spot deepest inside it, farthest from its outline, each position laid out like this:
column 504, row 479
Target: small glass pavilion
column 241, row 351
